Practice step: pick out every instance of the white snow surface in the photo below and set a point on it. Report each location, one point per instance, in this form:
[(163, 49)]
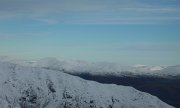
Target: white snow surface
[(34, 87)]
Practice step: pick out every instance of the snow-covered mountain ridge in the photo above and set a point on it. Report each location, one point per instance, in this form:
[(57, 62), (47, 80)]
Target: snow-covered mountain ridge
[(98, 68), (34, 87), (103, 68)]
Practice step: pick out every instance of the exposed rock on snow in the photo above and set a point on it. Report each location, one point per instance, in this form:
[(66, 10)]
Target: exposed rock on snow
[(33, 87)]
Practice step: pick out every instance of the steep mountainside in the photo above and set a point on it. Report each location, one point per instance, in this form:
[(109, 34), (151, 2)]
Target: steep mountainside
[(33, 87), (160, 81)]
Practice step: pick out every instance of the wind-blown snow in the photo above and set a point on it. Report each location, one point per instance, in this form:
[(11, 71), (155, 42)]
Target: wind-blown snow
[(34, 87)]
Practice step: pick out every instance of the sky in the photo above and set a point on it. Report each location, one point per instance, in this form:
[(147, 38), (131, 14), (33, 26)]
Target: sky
[(123, 31)]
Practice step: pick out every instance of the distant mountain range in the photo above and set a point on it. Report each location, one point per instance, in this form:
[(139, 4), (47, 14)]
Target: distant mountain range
[(99, 68)]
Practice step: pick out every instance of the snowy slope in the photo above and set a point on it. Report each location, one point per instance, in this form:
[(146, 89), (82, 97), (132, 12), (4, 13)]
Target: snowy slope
[(33, 87)]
